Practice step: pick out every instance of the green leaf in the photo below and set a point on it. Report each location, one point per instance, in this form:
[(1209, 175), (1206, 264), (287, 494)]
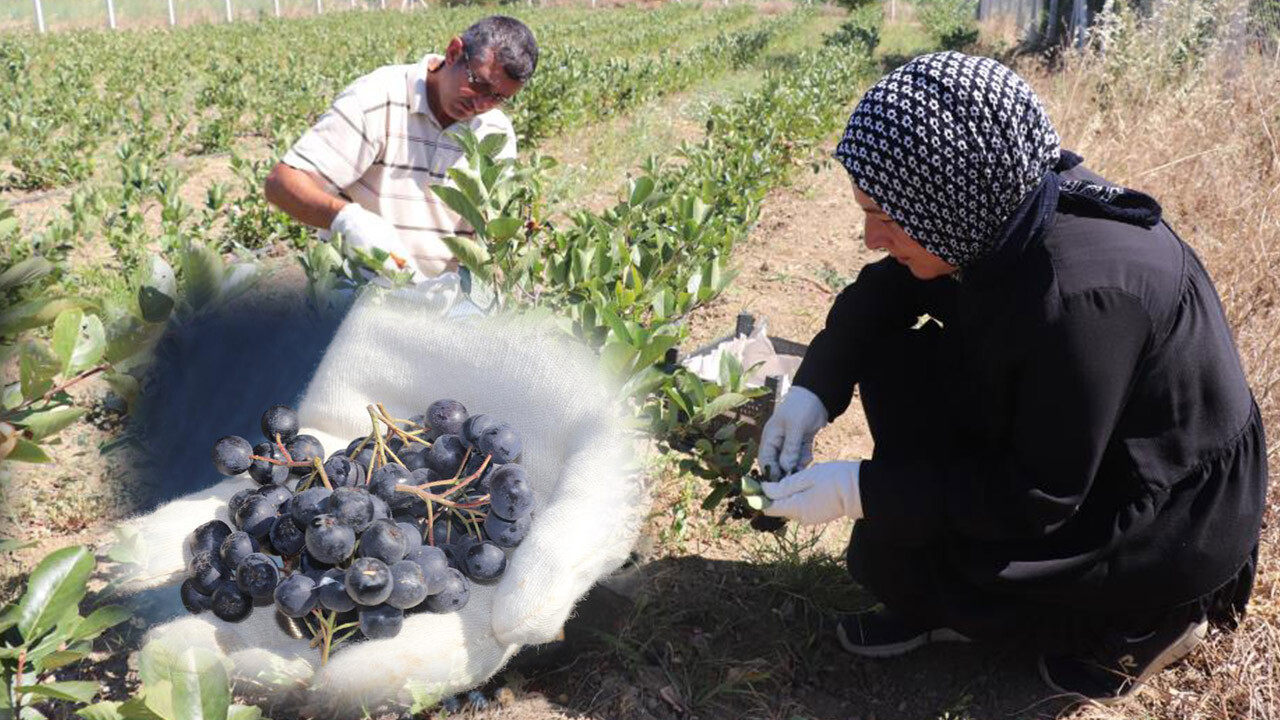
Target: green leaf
[(615, 324), (201, 688), (105, 710), (37, 367), (617, 358), (130, 547), (12, 395), (37, 313), (8, 224), (81, 691), (758, 502), (66, 331), (91, 343), (243, 712), (730, 371), (57, 583), (137, 709), (240, 278), (11, 545), (60, 658), (28, 452), (202, 274), (641, 189), (100, 620), (29, 270), (492, 144), (469, 183), (50, 422), (459, 203), (721, 404), (713, 499), (154, 305), (470, 253), (503, 228)]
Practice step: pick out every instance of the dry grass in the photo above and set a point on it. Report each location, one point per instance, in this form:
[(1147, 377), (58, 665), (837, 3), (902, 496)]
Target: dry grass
[(1205, 141)]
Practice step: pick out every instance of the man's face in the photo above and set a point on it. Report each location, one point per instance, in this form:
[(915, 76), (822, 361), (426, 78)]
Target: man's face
[(471, 85), (882, 233)]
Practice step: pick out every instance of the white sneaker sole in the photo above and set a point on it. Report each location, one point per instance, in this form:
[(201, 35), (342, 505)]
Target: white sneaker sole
[(900, 648), (1177, 650)]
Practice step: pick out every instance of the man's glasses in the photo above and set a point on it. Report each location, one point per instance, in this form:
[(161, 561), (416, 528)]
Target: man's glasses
[(478, 86)]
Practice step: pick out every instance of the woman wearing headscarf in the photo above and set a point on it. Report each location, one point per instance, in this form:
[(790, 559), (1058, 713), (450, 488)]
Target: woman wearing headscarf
[(1066, 448)]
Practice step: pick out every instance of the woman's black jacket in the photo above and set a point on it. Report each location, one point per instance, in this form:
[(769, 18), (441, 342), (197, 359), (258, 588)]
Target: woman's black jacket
[(1108, 447)]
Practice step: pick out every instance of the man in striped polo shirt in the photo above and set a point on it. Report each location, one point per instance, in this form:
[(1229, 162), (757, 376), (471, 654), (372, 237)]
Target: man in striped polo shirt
[(366, 167)]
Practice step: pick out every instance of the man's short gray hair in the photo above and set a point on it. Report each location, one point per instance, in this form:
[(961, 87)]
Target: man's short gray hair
[(512, 43)]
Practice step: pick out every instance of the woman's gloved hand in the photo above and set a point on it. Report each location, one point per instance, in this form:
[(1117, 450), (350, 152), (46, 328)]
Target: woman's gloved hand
[(820, 494), (786, 445)]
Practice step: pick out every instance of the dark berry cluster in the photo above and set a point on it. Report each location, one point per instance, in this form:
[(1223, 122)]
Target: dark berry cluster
[(401, 520)]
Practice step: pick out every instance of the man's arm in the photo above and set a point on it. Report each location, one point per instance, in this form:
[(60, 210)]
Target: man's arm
[(301, 194)]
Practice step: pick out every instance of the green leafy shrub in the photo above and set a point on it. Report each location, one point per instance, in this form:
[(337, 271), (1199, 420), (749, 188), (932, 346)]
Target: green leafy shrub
[(952, 24), (43, 632), (861, 32)]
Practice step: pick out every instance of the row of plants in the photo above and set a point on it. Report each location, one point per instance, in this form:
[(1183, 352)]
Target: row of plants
[(63, 96), (585, 88)]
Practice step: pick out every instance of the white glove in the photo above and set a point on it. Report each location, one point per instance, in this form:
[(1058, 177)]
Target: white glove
[(588, 507), (367, 230), (817, 495), (790, 431)]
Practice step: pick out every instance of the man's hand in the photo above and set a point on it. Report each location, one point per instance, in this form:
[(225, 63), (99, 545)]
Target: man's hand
[(365, 230), (790, 431), (820, 494)]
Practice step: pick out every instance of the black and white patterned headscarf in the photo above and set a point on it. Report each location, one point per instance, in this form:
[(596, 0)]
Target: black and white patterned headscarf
[(948, 145)]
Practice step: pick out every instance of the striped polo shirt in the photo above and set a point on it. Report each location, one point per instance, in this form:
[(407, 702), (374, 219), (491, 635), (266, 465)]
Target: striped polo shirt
[(380, 145)]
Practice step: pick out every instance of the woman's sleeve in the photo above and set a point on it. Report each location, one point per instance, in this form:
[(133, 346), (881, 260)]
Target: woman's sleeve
[(1068, 397), (885, 297)]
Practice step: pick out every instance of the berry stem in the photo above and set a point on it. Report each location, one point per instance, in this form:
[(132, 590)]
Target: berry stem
[(429, 497), (283, 450), (466, 457), (324, 477), (59, 388), (393, 427)]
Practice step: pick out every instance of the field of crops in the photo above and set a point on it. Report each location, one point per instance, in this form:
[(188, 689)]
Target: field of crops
[(674, 169)]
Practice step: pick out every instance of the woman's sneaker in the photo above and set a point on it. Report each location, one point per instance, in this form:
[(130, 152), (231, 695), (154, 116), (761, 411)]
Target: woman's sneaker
[(1122, 664), (880, 633)]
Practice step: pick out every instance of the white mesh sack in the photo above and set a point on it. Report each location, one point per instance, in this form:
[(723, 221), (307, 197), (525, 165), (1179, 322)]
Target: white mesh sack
[(588, 504)]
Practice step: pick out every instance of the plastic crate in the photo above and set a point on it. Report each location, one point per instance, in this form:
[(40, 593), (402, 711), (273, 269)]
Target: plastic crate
[(752, 414)]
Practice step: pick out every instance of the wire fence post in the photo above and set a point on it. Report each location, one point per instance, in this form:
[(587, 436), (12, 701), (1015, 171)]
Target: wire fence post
[(111, 14), (275, 5), (319, 7), (39, 17), (230, 18), (173, 17)]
